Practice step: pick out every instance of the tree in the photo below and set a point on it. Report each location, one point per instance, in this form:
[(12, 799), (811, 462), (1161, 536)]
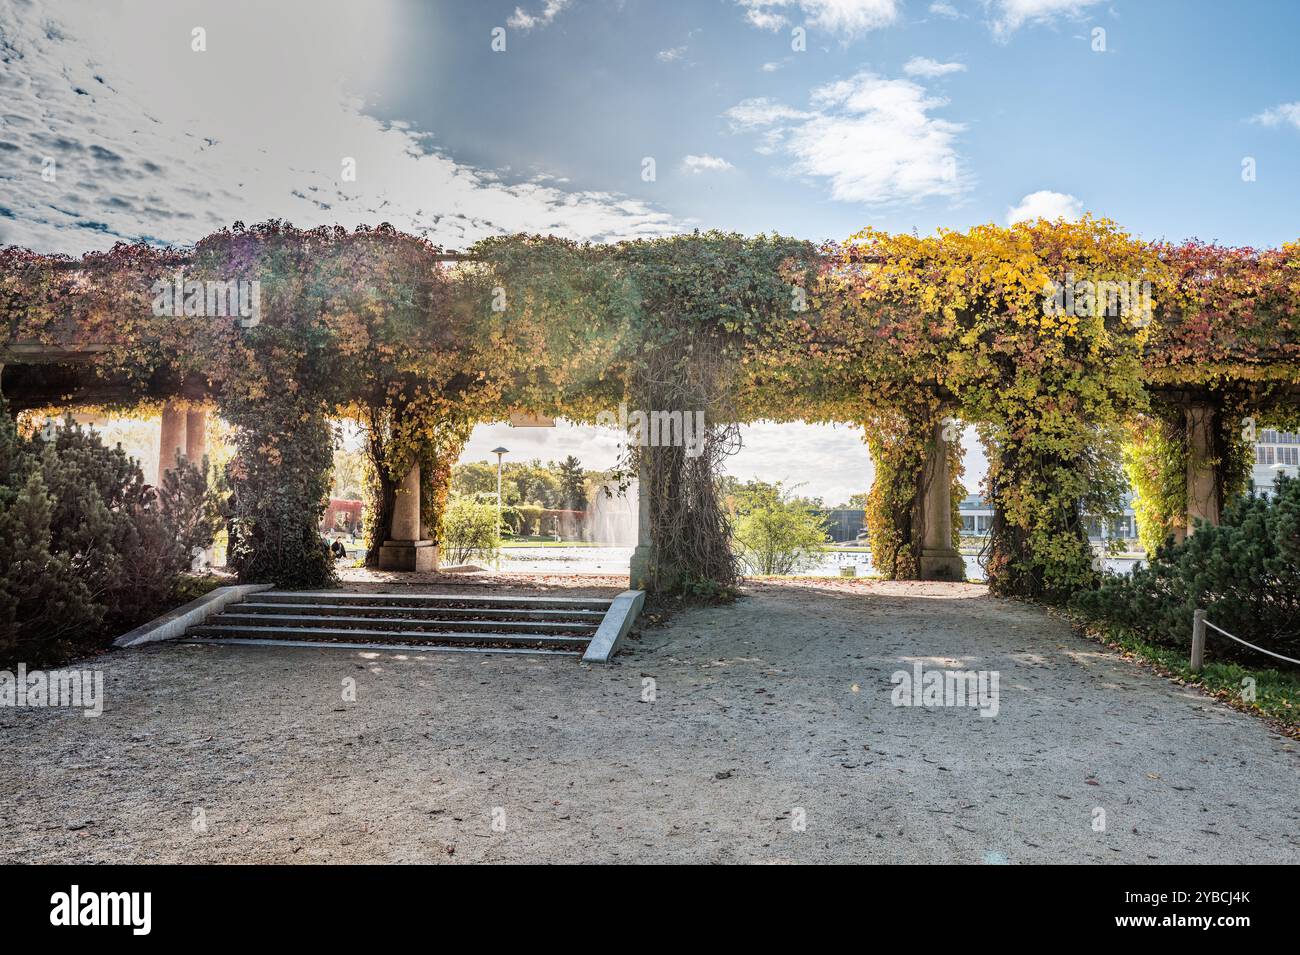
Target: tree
[(349, 477), (533, 481), (573, 484), (474, 477), (774, 531)]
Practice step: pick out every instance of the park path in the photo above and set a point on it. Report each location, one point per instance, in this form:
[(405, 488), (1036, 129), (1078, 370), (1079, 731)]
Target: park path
[(760, 732)]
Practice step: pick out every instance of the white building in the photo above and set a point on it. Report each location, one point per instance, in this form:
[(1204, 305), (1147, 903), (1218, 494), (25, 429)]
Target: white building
[(1276, 452)]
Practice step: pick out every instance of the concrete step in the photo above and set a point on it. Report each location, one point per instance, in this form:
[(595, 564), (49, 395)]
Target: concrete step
[(346, 598), (237, 615), (399, 647), (329, 634), (447, 613)]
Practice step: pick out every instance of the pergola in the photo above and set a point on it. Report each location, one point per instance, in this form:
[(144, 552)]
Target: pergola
[(735, 290)]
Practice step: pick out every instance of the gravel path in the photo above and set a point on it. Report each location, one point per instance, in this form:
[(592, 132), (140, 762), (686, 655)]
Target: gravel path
[(765, 714)]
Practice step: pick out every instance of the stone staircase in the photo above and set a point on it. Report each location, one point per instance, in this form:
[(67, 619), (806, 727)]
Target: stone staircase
[(562, 626)]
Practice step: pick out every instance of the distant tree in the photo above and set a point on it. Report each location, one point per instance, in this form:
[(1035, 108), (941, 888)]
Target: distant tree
[(349, 479), (474, 477), (534, 482), (573, 484)]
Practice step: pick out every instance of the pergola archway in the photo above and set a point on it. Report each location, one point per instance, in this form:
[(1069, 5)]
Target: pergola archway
[(897, 334)]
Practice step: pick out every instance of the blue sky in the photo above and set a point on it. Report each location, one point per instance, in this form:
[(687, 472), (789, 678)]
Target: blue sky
[(901, 114), (1151, 131)]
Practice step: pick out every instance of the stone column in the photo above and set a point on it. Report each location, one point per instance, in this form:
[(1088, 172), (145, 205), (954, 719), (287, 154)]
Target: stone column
[(405, 549), (196, 445), (196, 436), (1202, 477), (939, 559), (171, 440), (641, 569)]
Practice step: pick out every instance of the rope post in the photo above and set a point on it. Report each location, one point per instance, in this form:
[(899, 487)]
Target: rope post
[(1198, 640)]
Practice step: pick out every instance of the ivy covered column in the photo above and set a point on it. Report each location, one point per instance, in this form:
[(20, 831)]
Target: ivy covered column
[(940, 560), (641, 571), (406, 548), (1202, 463)]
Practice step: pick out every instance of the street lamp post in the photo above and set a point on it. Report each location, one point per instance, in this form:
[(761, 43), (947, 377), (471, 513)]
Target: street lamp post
[(499, 452)]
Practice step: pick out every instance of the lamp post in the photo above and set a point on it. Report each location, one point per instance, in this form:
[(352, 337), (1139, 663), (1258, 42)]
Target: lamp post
[(499, 452)]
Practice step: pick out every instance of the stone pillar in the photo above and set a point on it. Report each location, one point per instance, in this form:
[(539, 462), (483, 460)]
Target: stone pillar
[(405, 549), (939, 559), (196, 445), (196, 436), (1202, 477), (641, 569), (171, 440)]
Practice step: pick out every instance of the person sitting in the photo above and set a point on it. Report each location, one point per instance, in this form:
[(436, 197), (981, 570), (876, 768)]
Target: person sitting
[(338, 550)]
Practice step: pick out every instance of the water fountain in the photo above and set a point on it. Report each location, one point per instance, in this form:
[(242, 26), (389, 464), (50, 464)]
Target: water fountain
[(611, 515)]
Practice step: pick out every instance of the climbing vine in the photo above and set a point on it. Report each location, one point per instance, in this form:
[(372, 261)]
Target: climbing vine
[(1063, 342)]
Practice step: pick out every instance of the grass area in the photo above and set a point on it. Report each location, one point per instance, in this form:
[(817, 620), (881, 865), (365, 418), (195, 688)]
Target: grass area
[(1277, 692)]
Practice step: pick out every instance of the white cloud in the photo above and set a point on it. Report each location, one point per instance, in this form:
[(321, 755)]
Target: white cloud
[(1011, 15), (1282, 114), (872, 139), (523, 20), (249, 131), (706, 163), (771, 67), (1045, 204), (759, 112), (846, 18), (944, 10), (670, 55), (927, 68)]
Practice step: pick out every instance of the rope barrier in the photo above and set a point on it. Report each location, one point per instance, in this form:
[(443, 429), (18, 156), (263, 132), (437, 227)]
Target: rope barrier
[(1251, 645)]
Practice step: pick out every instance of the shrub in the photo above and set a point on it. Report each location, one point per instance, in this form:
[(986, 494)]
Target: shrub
[(87, 549), (775, 532), (1244, 572), (470, 530)]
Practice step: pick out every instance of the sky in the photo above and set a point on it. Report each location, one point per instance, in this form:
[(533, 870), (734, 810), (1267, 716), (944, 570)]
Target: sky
[(606, 119)]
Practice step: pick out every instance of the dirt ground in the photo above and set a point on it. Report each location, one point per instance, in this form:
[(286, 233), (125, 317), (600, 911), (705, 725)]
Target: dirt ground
[(767, 735)]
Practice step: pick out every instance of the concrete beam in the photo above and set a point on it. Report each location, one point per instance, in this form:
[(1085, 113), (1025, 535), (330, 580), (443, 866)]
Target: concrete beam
[(173, 624), (618, 620)]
